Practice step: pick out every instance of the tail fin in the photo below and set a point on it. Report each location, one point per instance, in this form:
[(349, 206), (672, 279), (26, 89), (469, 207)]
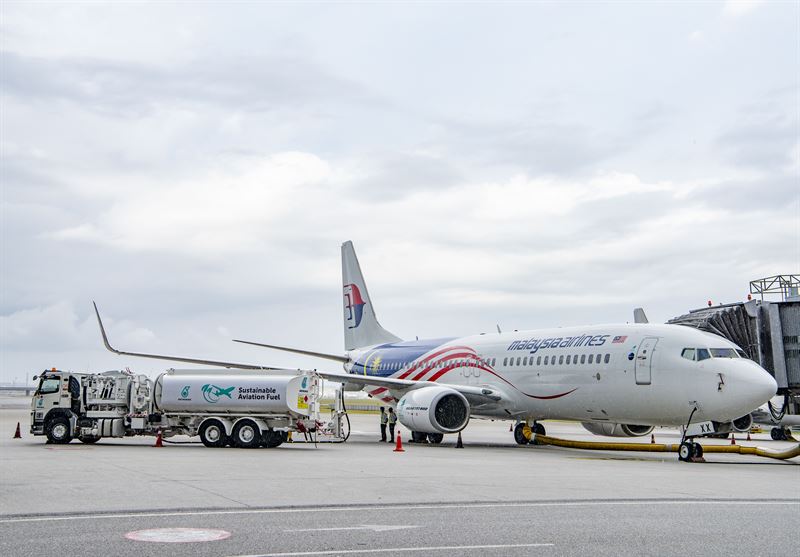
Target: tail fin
[(361, 327)]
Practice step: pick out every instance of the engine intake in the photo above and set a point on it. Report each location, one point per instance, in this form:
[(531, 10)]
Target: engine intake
[(617, 430), (434, 410), (743, 424)]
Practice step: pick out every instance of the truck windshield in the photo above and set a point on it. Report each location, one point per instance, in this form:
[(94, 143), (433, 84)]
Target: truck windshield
[(49, 385), (724, 353)]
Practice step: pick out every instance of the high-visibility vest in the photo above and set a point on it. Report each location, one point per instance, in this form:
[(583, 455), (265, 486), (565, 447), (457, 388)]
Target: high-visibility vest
[(384, 418), (392, 418)]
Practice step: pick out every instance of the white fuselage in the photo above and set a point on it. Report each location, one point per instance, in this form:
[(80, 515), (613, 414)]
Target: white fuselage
[(630, 373)]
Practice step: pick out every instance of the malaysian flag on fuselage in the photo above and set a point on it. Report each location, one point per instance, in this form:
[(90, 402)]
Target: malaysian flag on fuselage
[(619, 340)]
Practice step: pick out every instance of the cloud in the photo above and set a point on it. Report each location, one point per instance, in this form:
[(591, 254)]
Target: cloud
[(740, 8), (134, 89)]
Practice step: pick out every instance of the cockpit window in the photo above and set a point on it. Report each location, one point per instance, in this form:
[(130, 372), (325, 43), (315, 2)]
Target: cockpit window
[(702, 354), (741, 353), (688, 353), (724, 353)]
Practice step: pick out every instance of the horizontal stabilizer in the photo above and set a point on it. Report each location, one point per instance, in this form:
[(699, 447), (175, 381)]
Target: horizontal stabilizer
[(334, 357)]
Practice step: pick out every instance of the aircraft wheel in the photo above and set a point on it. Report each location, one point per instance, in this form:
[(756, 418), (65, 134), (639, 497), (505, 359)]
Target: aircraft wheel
[(698, 450), (419, 437), (246, 434), (212, 434), (686, 451), (776, 433), (519, 436), (435, 438)]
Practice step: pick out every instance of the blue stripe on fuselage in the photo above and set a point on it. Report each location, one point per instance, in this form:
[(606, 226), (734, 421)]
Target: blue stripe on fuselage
[(393, 356)]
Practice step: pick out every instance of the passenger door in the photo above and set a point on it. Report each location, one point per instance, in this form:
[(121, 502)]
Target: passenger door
[(644, 360)]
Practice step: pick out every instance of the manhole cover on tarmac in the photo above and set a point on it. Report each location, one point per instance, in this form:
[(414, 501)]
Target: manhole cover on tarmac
[(178, 535)]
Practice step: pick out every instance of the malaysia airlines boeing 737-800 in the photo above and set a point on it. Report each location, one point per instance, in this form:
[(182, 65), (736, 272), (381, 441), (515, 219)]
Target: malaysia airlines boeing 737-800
[(619, 379)]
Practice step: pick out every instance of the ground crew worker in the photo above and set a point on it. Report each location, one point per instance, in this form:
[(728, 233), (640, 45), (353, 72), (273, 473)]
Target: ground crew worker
[(392, 423), (384, 420)]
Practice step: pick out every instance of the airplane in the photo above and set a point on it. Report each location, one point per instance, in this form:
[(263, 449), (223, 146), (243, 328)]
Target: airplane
[(626, 378)]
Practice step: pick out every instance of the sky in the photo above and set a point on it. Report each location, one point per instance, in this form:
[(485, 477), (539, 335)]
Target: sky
[(194, 167)]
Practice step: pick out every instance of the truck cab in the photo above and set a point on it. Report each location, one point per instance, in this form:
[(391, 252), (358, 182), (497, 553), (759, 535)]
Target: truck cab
[(56, 406)]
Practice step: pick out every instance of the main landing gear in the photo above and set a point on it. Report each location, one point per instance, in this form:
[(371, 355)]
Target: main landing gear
[(522, 432), (780, 434)]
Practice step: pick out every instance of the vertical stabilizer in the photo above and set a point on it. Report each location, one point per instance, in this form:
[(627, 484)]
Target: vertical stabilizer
[(361, 327)]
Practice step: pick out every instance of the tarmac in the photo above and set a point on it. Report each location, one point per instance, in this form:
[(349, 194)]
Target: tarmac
[(493, 497)]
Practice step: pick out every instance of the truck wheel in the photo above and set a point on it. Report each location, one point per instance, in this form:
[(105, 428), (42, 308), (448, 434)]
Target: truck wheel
[(212, 434), (89, 440), (435, 438), (58, 431), (246, 435), (274, 439), (538, 429)]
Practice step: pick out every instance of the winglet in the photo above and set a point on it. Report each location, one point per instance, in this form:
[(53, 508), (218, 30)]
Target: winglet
[(103, 330), (639, 316)]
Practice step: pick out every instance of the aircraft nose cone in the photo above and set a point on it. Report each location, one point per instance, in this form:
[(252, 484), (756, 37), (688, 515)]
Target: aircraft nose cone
[(761, 387)]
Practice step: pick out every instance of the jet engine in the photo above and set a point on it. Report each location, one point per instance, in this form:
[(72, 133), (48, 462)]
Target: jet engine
[(434, 410), (617, 430), (743, 424)]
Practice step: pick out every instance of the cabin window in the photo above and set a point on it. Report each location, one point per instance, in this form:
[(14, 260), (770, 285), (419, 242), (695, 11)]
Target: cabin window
[(599, 359), (525, 361), (591, 357), (538, 360), (546, 360), (702, 354), (569, 358), (608, 358), (688, 353), (518, 360), (505, 361), (583, 358), (560, 360)]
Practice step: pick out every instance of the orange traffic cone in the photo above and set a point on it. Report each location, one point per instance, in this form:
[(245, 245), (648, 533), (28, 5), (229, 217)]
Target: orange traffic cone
[(510, 427), (159, 441), (733, 438), (398, 448), (459, 444), (748, 436), (652, 439), (17, 433)]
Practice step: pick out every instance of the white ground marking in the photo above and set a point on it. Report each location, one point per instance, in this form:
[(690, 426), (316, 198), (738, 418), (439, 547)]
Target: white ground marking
[(106, 516), (178, 535), (398, 549), (373, 527)]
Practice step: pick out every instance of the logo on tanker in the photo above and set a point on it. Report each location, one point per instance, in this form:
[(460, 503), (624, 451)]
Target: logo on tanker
[(185, 393), (212, 393), (353, 305)]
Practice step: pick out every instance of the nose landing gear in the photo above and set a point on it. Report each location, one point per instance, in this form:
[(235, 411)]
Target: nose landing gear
[(690, 451)]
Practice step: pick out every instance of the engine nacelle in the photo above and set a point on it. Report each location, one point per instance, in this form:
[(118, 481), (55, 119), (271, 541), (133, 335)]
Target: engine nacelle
[(617, 430), (743, 424), (434, 410)]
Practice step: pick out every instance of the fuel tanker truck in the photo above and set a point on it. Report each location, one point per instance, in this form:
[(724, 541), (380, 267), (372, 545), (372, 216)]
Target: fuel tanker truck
[(244, 410)]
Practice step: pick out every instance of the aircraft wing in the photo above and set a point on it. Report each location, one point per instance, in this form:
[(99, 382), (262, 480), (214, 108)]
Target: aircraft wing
[(406, 384), (231, 365)]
